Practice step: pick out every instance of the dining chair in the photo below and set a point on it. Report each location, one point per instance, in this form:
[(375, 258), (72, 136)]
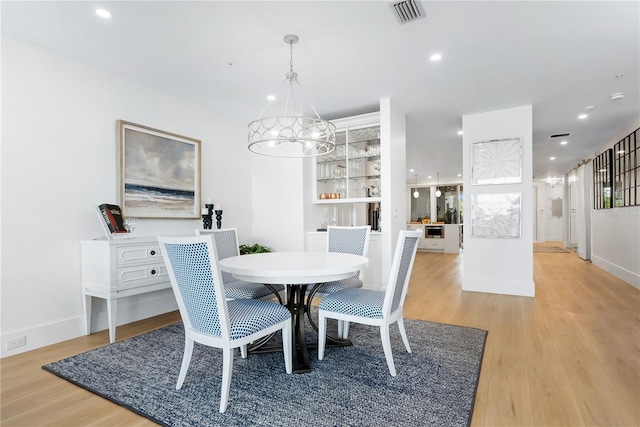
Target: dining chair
[(208, 317), (369, 307), (226, 241), (351, 240)]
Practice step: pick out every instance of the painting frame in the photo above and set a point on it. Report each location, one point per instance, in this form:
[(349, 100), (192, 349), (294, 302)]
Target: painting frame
[(496, 215), (496, 161), (159, 173)]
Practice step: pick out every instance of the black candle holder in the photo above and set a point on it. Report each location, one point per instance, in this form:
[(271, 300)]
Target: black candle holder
[(218, 219), (207, 220)]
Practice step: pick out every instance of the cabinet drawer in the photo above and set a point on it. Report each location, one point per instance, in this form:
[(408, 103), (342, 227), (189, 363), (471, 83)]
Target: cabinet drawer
[(141, 275), (434, 243), (136, 254)]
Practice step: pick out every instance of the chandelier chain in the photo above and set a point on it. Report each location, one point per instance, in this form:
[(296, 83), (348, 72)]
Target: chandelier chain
[(291, 56)]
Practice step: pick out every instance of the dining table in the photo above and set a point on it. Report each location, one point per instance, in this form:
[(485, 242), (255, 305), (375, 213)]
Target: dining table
[(296, 270)]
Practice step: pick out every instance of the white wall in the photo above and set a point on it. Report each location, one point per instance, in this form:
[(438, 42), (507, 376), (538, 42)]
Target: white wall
[(59, 160), (278, 203), (615, 233), (493, 265)]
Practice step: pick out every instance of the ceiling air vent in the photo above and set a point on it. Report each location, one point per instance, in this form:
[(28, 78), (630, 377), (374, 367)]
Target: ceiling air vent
[(559, 135), (407, 11)]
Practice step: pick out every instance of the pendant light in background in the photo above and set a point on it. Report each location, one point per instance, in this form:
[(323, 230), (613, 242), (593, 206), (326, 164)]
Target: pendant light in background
[(415, 193), (438, 192)]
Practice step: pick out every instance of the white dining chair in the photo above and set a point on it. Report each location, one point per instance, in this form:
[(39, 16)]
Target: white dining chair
[(369, 307), (208, 317), (226, 241), (351, 240)]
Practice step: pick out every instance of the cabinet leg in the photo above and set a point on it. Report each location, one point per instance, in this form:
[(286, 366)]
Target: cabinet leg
[(86, 305), (112, 308)]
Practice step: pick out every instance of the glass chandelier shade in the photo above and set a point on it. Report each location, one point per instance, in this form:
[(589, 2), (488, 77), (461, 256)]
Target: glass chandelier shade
[(438, 192), (292, 134), (416, 194)]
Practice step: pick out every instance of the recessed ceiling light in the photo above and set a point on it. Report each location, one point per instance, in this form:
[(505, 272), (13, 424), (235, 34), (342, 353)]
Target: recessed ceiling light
[(429, 177), (589, 108), (616, 96), (411, 170), (103, 13), (583, 116), (552, 158), (564, 142), (271, 97), (459, 174), (460, 132), (435, 57)]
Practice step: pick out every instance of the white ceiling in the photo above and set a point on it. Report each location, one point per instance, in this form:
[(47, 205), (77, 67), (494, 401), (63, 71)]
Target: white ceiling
[(559, 57)]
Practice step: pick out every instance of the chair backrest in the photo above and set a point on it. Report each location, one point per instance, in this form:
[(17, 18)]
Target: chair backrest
[(193, 270), (401, 268), (350, 240), (226, 241)]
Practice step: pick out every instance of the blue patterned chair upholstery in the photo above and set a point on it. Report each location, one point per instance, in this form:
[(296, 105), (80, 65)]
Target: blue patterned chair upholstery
[(378, 308), (208, 317), (350, 240), (226, 241)]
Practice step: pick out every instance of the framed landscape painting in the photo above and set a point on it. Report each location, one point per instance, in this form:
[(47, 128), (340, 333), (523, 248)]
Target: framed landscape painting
[(158, 173)]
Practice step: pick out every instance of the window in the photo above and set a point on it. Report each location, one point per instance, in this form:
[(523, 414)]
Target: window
[(626, 154), (421, 207), (602, 179)]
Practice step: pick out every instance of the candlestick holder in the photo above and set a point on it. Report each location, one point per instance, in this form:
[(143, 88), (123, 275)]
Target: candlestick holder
[(219, 219), (207, 222), (207, 219)]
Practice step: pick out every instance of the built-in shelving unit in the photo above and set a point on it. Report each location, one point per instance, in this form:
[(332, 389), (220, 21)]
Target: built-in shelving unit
[(352, 172)]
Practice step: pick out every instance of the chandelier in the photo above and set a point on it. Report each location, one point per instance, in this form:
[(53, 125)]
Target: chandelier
[(438, 192), (416, 194), (293, 134)]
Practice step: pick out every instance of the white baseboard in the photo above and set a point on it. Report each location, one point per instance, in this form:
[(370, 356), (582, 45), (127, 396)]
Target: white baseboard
[(621, 273), (129, 310), (497, 286), (43, 335)]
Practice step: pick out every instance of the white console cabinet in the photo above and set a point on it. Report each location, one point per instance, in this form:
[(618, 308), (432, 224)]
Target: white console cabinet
[(317, 242), (113, 269)]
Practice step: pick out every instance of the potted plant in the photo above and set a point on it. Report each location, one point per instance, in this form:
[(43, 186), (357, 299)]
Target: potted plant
[(253, 249)]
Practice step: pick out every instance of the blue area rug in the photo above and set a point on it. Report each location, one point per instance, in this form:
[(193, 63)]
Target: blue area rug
[(435, 385)]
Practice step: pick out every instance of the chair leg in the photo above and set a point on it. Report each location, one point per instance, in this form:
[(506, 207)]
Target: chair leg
[(227, 368), (403, 334), (322, 335), (243, 351), (186, 360), (340, 328), (345, 329), (286, 348), (386, 346)]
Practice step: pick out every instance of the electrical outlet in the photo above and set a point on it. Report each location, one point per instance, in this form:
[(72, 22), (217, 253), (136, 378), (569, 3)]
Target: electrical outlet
[(16, 342)]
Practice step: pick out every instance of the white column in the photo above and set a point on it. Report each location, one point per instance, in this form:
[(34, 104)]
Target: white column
[(499, 265)]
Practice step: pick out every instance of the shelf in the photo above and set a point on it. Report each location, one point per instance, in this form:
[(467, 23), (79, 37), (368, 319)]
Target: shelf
[(349, 200), (353, 167), (361, 177)]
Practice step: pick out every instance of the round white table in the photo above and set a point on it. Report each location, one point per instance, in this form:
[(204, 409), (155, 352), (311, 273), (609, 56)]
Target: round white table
[(295, 270)]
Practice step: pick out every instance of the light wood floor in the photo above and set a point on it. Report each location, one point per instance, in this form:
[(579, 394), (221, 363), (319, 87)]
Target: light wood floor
[(569, 357)]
